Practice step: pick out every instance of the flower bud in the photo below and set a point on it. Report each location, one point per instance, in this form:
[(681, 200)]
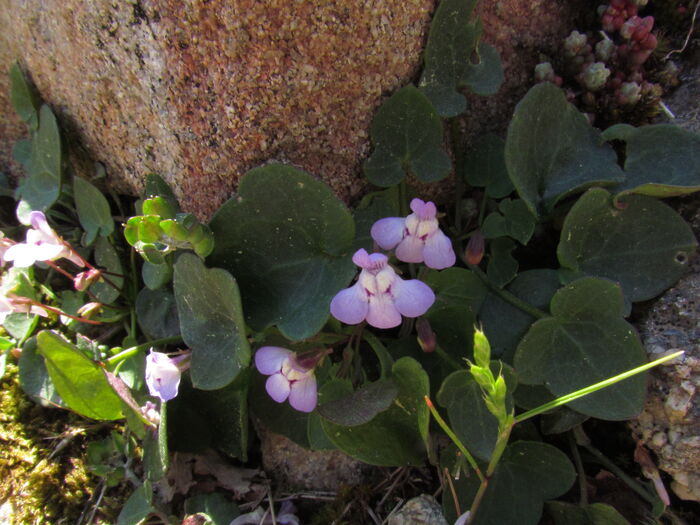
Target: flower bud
[(89, 309), (575, 43), (595, 76), (426, 337), (544, 72), (482, 376), (83, 280), (475, 248), (482, 349), (630, 93)]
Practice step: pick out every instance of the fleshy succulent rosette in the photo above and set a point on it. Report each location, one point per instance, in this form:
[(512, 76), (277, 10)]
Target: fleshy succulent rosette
[(416, 238), (379, 296)]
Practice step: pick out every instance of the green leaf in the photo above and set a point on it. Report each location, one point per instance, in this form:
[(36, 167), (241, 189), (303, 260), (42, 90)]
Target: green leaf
[(156, 312), (595, 514), (502, 267), (155, 186), (22, 152), (516, 222), (155, 448), (79, 381), (586, 341), (137, 507), (23, 99), (528, 473), (93, 210), (20, 326), (485, 76), (485, 166), (106, 257), (407, 135), (286, 238), (458, 297), (374, 206), (451, 42), (661, 160), (552, 151), (219, 509), (43, 185), (34, 377), (211, 321), (469, 418), (361, 405), (156, 276), (19, 282), (643, 244), (395, 436)]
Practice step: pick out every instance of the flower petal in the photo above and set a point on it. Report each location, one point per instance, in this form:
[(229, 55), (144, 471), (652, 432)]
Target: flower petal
[(438, 252), (269, 359), (277, 387), (162, 376), (303, 395), (412, 298), (410, 250), (382, 313), (350, 305), (388, 232), (463, 518)]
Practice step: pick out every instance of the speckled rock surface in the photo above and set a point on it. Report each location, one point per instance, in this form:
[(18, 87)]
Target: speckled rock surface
[(201, 91), (296, 468), (422, 510)]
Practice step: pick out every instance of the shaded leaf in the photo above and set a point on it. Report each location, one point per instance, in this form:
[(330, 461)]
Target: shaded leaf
[(156, 312), (407, 136), (586, 341), (156, 276), (79, 381), (23, 98), (137, 507), (643, 245), (395, 436), (374, 206), (286, 238), (34, 377), (661, 160), (93, 210), (502, 267), (211, 321), (106, 257), (595, 514), (485, 76), (552, 151), (155, 448), (361, 405), (219, 509), (485, 166)]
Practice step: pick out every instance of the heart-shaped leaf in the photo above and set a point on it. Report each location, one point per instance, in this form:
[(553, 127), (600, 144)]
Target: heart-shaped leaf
[(79, 381), (407, 136), (642, 244), (106, 257), (485, 76), (528, 473), (156, 312), (584, 342), (516, 221), (286, 238), (93, 210), (552, 151), (211, 321), (395, 436), (485, 166), (595, 514), (451, 42), (661, 160)]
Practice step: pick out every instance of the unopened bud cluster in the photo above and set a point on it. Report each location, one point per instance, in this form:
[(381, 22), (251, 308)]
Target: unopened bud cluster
[(493, 387)]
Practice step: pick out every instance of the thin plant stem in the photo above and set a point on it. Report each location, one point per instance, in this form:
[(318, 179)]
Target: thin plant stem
[(59, 312), (454, 438), (125, 354), (568, 398), (583, 488), (60, 270), (506, 295)]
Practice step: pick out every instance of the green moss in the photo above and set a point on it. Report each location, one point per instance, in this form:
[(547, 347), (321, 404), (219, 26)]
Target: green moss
[(40, 488)]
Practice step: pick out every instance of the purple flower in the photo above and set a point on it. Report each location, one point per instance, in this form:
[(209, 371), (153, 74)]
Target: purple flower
[(380, 296), (290, 376), (42, 244), (163, 374), (417, 238)]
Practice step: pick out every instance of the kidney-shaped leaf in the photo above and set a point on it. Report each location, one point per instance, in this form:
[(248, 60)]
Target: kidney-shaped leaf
[(661, 160), (211, 322), (552, 151), (585, 342), (644, 244), (286, 238), (407, 137), (395, 436), (79, 380), (360, 406), (93, 210)]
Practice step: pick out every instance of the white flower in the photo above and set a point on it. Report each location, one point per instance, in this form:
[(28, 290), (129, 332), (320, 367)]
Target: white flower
[(42, 244)]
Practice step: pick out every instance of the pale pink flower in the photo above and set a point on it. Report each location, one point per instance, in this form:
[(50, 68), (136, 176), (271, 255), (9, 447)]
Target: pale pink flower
[(380, 296), (42, 244), (417, 237), (163, 374), (18, 305), (290, 377)]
